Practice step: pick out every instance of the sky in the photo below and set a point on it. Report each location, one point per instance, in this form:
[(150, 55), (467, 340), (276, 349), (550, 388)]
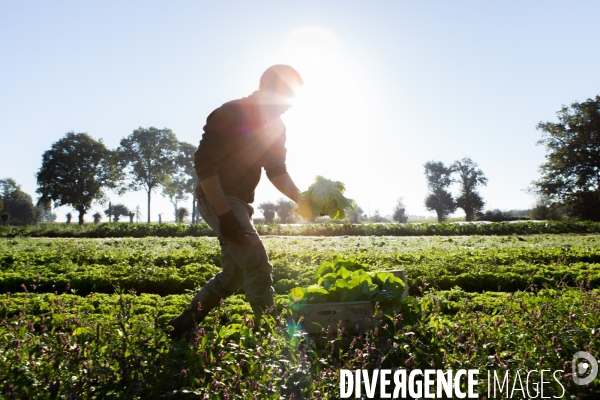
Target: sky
[(389, 85)]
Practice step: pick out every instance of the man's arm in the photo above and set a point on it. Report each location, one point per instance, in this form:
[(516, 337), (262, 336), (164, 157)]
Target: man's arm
[(210, 151), (213, 190), (228, 223), (286, 186)]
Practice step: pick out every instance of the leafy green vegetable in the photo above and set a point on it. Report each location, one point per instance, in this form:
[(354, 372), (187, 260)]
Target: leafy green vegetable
[(344, 280), (316, 294), (297, 293), (324, 197)]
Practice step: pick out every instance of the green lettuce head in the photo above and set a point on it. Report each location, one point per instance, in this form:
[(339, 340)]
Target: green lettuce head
[(324, 197)]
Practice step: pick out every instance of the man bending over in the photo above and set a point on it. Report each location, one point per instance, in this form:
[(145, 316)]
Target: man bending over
[(240, 139)]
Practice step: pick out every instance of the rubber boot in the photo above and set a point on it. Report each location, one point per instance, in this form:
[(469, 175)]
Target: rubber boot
[(189, 319)]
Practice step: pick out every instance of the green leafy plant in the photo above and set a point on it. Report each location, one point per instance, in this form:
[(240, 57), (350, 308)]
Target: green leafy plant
[(324, 197), (346, 280)]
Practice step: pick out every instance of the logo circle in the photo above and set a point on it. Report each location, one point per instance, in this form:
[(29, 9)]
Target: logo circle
[(583, 367)]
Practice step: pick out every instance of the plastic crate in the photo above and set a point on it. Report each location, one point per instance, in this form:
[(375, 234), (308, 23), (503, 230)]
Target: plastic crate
[(399, 273), (355, 316)]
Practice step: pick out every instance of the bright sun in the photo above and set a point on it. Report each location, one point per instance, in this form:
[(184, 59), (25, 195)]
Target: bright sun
[(330, 111)]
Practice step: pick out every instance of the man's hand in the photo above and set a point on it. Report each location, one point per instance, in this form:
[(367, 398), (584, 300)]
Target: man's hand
[(231, 228), (304, 209)]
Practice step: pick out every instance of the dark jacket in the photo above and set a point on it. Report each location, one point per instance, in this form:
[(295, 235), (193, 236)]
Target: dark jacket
[(239, 141)]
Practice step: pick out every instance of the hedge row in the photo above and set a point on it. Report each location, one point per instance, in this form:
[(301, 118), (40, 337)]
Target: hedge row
[(107, 230)]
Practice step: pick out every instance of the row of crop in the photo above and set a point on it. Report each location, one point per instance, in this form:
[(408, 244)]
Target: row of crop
[(374, 250), (172, 266), (106, 230), (148, 252), (386, 252), (116, 346), (182, 230), (85, 279), (435, 229), (473, 275)]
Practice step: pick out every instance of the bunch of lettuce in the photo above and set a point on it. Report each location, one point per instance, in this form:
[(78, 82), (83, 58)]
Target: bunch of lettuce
[(345, 280), (324, 197)]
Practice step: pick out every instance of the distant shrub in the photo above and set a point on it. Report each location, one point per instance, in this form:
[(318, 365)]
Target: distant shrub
[(499, 216)]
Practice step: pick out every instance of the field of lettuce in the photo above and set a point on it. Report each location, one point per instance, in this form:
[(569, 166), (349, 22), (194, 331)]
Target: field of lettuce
[(86, 318)]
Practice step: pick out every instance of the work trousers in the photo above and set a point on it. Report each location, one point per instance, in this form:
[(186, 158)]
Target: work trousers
[(244, 263)]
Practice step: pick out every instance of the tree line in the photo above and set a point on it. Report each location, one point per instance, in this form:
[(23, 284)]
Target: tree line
[(78, 169), (284, 209), (439, 199), (569, 184)]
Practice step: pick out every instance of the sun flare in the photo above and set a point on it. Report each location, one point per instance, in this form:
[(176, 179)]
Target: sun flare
[(329, 110)]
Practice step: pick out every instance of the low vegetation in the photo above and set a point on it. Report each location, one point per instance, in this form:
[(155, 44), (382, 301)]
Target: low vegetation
[(87, 318)]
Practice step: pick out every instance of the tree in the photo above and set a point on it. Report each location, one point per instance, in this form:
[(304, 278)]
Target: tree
[(46, 214), (545, 209), (269, 216), (469, 178), (400, 212), (183, 181), (75, 171), (284, 209), (187, 173), (148, 158), (117, 211), (182, 213), (97, 217), (69, 216), (17, 204), (354, 215), (268, 210), (439, 177), (377, 216), (131, 215), (571, 172), (174, 190), (138, 213)]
